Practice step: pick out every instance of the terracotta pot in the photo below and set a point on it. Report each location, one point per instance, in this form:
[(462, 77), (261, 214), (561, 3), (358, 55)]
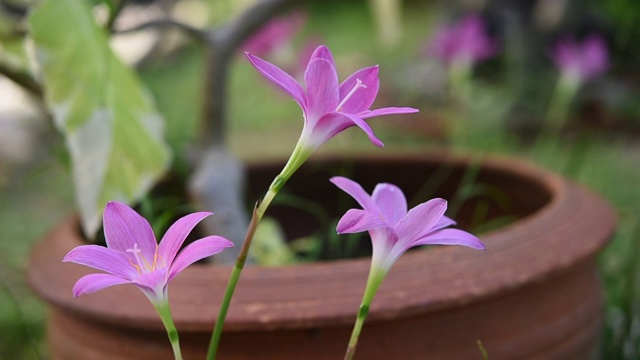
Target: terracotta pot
[(534, 294)]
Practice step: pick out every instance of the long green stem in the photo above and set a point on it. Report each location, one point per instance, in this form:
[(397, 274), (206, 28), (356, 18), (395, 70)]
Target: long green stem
[(557, 114), (165, 315), (373, 283), (548, 144), (231, 286), (560, 104), (459, 93), (297, 158)]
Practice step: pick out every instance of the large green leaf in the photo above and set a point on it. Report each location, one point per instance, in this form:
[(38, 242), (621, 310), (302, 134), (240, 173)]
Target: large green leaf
[(113, 131)]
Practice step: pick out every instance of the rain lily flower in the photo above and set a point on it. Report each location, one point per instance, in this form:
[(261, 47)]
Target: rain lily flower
[(459, 47), (580, 62), (328, 107), (393, 231), (463, 44), (133, 256)]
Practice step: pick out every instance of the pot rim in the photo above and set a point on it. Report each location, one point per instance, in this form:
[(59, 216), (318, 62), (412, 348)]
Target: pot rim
[(570, 229)]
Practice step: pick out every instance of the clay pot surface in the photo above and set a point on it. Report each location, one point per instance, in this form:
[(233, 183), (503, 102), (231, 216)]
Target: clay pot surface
[(534, 294)]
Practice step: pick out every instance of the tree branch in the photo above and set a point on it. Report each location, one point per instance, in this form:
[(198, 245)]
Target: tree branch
[(222, 44), (231, 36), (24, 80), (219, 178), (113, 15), (198, 34)]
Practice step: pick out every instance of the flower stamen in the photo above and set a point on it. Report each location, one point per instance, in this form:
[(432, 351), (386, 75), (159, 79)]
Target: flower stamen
[(142, 265), (358, 85)]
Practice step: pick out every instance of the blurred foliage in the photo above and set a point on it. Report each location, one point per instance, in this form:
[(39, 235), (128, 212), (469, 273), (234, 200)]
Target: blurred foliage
[(113, 132), (623, 18)]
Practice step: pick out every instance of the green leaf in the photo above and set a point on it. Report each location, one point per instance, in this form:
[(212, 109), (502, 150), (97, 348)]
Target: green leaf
[(270, 246), (112, 129)]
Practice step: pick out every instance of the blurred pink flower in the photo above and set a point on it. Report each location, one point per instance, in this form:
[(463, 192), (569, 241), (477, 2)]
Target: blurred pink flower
[(275, 34), (304, 56), (581, 62), (463, 44)]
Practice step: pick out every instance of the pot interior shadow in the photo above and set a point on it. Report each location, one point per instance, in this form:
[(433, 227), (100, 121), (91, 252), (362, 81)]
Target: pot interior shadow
[(480, 198)]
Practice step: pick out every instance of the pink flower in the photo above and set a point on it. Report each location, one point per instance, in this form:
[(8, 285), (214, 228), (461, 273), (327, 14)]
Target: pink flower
[(329, 107), (133, 256), (581, 62), (275, 34), (463, 44), (392, 228)]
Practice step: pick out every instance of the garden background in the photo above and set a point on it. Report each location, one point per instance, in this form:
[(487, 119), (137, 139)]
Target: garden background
[(504, 104)]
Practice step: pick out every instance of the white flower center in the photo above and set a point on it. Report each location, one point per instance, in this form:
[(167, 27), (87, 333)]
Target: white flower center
[(358, 85)]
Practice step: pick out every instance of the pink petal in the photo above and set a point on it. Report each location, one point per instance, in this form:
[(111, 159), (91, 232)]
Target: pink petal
[(383, 240), (328, 126), (153, 284), (94, 282), (441, 45), (357, 192), (358, 121), (275, 33), (177, 233), (124, 227), (564, 54), (356, 220), (304, 56), (334, 123), (323, 52), (325, 128), (451, 237), (321, 79), (363, 98), (465, 42), (474, 44), (391, 202), (102, 258), (197, 250), (280, 79), (595, 56), (386, 249), (386, 111), (444, 222), (422, 217)]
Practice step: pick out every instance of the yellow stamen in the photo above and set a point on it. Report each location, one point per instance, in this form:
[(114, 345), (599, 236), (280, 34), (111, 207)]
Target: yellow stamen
[(141, 264)]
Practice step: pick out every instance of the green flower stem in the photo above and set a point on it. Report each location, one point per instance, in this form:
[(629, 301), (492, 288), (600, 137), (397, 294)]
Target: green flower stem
[(548, 143), (559, 107), (459, 96), (300, 154), (376, 276), (459, 82), (165, 315)]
